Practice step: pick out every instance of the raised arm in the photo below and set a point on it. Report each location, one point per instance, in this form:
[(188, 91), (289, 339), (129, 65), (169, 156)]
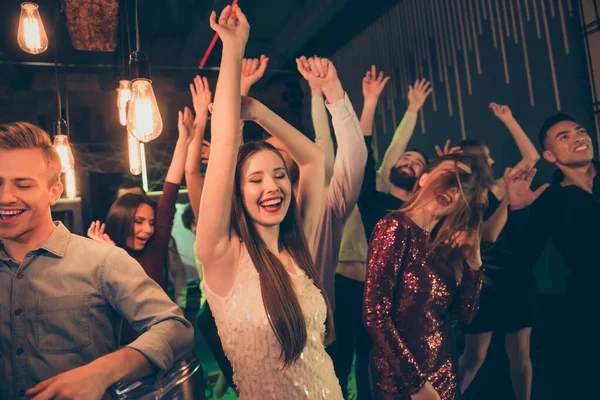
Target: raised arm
[(372, 86), (201, 97), (383, 269), (186, 135), (304, 152), (215, 205), (527, 149), (417, 95), (320, 122)]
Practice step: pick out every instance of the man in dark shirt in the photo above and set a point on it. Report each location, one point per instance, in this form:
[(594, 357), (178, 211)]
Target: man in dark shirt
[(569, 214), (373, 204)]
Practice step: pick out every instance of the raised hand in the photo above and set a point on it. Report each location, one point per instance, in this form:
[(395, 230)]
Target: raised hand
[(469, 243), (320, 72), (252, 70), (501, 112), (373, 84), (417, 94), (96, 232), (518, 188), (185, 125), (201, 95), (447, 149), (232, 26)]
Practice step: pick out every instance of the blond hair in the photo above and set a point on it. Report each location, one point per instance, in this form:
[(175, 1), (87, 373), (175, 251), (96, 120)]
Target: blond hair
[(23, 135)]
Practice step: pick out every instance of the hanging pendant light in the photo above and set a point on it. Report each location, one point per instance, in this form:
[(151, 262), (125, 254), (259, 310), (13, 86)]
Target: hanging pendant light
[(63, 147), (123, 98), (144, 121), (31, 36), (61, 130)]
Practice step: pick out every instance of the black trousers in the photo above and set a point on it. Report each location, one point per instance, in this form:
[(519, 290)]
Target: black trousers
[(351, 336)]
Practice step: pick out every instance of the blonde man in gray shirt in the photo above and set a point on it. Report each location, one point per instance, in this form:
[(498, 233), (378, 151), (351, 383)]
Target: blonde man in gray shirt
[(63, 297)]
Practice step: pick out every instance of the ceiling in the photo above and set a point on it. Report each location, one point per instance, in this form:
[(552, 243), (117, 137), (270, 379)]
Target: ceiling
[(176, 33)]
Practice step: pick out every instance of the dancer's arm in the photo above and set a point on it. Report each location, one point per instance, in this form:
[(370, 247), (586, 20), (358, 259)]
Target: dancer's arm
[(201, 97), (387, 249), (417, 95), (215, 206), (372, 86), (304, 152), (320, 122)]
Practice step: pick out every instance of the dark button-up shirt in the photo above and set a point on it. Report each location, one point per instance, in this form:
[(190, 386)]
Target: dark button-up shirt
[(62, 308)]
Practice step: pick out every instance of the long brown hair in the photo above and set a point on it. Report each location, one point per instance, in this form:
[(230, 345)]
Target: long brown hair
[(121, 216), (470, 208), (279, 298)]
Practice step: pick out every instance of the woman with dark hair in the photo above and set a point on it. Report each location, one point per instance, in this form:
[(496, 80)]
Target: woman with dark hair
[(255, 245), (136, 224), (507, 299), (424, 262)]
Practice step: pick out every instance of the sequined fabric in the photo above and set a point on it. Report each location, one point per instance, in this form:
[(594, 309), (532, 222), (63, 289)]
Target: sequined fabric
[(253, 349), (407, 297)]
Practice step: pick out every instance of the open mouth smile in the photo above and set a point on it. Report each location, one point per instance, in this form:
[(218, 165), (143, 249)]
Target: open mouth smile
[(272, 204), (9, 215)]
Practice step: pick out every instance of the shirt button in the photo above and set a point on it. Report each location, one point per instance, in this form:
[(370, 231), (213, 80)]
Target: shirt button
[(22, 392), (18, 311), (19, 351), (19, 276)]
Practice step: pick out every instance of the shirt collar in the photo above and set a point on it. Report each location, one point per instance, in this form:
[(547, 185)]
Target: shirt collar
[(558, 176), (56, 243)]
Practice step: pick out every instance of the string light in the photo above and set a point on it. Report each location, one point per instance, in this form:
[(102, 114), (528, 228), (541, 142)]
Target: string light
[(31, 36)]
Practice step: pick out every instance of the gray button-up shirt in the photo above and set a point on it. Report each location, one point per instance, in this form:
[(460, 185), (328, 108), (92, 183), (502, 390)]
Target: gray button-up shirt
[(63, 306)]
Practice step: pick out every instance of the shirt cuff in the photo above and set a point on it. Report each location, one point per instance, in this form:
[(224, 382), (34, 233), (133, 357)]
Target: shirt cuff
[(341, 109), (154, 349)]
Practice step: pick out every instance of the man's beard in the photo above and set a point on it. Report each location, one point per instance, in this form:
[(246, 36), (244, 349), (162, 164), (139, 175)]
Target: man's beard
[(401, 179)]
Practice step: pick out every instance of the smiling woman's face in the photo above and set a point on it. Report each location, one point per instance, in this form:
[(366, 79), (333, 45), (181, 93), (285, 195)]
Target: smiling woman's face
[(266, 188), (143, 227)]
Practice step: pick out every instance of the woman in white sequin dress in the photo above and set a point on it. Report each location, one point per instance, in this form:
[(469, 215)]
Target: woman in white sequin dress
[(258, 274)]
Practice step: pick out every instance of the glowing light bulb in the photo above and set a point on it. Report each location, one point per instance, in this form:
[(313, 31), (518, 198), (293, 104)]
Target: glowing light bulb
[(143, 117), (135, 156), (32, 36), (123, 98), (63, 148), (70, 186)]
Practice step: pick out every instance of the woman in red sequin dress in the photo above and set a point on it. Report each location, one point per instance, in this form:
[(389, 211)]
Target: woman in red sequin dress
[(424, 262)]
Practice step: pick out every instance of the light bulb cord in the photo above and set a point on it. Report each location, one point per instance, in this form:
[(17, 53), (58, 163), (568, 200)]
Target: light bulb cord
[(58, 98), (137, 28)]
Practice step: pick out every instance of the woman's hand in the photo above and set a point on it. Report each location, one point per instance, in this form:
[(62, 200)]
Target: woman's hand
[(252, 70), (320, 72), (185, 125), (232, 27), (469, 243), (96, 232), (373, 84), (447, 149), (427, 392), (201, 95)]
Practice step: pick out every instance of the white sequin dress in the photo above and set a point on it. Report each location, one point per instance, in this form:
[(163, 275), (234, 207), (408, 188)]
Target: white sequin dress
[(253, 349)]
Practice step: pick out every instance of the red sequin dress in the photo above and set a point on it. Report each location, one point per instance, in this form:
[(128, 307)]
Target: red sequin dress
[(407, 296)]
